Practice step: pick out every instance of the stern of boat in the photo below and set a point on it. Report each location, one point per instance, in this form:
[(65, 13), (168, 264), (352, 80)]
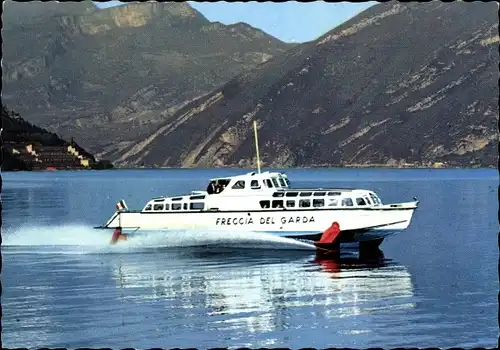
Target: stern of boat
[(119, 219), (113, 222)]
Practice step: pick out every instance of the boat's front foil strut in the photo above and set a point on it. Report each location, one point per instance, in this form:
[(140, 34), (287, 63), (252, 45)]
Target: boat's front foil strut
[(118, 236)]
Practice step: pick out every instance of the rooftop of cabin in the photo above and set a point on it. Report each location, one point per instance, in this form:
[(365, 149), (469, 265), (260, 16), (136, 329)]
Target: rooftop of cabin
[(252, 175)]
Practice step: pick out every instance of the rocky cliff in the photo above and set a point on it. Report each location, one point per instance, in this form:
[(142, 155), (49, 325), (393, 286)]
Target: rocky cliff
[(110, 76), (401, 83)]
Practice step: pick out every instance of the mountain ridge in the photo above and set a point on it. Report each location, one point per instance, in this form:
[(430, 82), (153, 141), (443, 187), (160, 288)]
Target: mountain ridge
[(106, 84), (388, 116)]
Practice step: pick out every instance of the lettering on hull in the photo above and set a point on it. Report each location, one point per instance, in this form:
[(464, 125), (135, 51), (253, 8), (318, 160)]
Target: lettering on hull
[(234, 221), (269, 220)]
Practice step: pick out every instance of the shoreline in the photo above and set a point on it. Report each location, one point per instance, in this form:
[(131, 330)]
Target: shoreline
[(367, 167)]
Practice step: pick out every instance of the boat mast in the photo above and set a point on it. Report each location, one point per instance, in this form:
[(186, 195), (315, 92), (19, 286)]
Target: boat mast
[(256, 144)]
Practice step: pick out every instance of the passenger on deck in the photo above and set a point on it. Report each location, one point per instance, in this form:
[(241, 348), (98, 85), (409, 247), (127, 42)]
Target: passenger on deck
[(211, 188)]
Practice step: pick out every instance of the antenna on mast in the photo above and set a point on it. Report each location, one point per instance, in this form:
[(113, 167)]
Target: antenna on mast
[(256, 144)]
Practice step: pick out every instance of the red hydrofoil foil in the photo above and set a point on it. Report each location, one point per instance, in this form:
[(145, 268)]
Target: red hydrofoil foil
[(329, 240), (118, 236)]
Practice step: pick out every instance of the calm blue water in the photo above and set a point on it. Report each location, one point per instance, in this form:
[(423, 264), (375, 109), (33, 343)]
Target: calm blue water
[(63, 286)]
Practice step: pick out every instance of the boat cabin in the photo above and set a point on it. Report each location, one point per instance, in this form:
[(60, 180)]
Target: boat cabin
[(249, 182), (262, 191)]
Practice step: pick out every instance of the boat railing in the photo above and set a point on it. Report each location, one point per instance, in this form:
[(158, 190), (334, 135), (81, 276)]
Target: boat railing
[(317, 189)]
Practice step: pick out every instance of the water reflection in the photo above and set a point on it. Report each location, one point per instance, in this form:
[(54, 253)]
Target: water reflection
[(28, 320), (262, 292)]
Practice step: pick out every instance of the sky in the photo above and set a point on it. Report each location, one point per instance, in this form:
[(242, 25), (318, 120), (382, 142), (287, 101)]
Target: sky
[(289, 21)]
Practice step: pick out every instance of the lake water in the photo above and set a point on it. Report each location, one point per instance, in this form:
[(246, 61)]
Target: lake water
[(436, 284)]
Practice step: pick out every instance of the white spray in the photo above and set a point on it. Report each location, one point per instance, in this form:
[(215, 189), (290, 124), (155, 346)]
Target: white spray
[(92, 239)]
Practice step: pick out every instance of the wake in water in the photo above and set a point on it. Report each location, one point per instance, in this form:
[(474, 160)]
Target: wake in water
[(90, 240), (70, 235)]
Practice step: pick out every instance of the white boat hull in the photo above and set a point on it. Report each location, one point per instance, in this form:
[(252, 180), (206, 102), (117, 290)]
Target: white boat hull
[(356, 225)]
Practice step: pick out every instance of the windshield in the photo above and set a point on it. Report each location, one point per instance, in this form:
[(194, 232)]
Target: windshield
[(282, 182), (275, 182)]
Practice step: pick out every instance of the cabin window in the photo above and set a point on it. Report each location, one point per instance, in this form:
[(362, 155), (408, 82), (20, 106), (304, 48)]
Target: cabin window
[(318, 203), (290, 203), (177, 199), (148, 207), (158, 207), (347, 202), (292, 194), (304, 203), (333, 203), (239, 185), (265, 204), (185, 206), (176, 206), (278, 204), (278, 194), (159, 200), (254, 185), (375, 199), (282, 182), (196, 206), (360, 201), (334, 193), (167, 206), (269, 183), (319, 194), (368, 201), (305, 194), (275, 182)]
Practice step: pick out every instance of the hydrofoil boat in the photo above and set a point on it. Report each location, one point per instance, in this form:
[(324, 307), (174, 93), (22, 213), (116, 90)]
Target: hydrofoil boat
[(266, 202)]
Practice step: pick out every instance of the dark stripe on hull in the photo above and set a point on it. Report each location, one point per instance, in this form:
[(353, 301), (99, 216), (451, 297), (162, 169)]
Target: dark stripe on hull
[(308, 237), (344, 236)]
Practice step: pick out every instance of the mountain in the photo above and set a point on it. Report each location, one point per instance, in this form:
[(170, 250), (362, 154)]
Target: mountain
[(22, 13), (401, 83), (109, 76)]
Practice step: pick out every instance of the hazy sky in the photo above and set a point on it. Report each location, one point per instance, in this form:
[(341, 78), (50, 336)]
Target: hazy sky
[(288, 21)]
